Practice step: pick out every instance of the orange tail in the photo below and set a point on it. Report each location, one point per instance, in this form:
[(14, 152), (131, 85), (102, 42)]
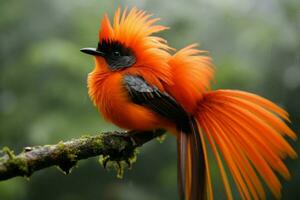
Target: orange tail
[(248, 132)]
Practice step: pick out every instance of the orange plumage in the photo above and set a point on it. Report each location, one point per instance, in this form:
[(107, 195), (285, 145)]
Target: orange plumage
[(246, 130)]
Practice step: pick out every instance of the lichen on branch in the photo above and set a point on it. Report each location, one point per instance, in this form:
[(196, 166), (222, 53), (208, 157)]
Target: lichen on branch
[(119, 147)]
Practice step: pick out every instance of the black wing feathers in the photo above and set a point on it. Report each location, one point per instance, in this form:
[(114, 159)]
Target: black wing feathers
[(160, 102)]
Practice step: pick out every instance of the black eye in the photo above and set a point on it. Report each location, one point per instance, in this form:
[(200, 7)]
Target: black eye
[(116, 53)]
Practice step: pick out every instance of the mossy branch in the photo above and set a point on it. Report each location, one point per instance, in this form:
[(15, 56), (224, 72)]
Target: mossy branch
[(116, 146)]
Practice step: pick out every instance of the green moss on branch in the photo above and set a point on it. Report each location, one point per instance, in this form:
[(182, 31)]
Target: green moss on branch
[(119, 147)]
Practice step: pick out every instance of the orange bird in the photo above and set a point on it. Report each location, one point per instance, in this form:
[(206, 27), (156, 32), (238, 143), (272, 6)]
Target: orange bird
[(137, 84)]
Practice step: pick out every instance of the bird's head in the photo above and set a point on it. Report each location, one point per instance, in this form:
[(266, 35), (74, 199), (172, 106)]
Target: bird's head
[(128, 42)]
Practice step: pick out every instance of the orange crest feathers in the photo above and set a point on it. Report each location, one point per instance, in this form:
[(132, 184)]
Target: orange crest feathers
[(133, 28)]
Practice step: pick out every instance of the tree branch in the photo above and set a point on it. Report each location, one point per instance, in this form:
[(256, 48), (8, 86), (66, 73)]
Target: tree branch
[(116, 146)]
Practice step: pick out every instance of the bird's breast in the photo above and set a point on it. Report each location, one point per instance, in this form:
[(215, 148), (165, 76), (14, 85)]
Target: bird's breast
[(111, 97)]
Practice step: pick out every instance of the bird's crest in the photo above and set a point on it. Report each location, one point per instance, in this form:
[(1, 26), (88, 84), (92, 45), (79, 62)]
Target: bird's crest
[(133, 28)]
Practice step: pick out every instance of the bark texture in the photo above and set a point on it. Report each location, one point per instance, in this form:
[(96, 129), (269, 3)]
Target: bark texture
[(114, 146)]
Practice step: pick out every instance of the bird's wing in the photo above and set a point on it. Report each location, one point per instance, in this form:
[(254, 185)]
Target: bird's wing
[(158, 101), (191, 166)]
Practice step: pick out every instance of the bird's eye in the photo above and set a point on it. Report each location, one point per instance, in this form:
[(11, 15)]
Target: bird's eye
[(117, 53)]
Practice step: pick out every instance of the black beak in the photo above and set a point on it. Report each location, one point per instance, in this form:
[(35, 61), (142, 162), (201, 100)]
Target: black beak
[(92, 51)]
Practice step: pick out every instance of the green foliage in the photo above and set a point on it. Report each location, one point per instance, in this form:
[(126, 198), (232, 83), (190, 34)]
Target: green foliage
[(43, 96)]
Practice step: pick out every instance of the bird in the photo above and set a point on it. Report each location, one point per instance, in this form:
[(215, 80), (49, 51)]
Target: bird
[(139, 82)]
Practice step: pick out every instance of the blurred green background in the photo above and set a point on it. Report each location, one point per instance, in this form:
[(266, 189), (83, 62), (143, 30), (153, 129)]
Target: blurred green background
[(43, 96)]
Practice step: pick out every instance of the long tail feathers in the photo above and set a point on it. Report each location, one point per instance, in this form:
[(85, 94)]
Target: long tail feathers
[(248, 132), (191, 164)]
